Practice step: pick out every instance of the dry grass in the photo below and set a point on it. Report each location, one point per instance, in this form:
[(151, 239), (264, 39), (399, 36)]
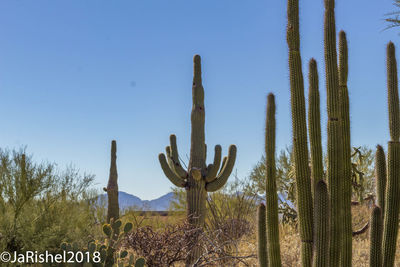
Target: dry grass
[(290, 241)]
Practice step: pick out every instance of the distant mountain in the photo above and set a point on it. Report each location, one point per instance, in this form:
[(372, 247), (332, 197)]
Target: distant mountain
[(130, 201)]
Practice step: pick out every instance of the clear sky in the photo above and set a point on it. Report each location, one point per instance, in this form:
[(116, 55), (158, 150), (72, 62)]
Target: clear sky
[(76, 74)]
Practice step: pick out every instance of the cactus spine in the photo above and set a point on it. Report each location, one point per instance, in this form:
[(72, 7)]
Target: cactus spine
[(112, 186), (314, 125), (274, 257), (300, 148), (391, 213), (380, 177), (321, 225), (262, 236), (345, 115), (375, 255), (199, 178)]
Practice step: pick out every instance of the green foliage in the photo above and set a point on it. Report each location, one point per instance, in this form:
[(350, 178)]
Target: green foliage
[(36, 201), (362, 173)]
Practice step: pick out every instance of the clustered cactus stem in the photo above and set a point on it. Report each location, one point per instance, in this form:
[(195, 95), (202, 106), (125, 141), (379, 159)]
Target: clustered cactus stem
[(346, 248), (391, 213), (262, 236), (299, 129), (335, 148), (199, 178), (375, 239), (314, 125), (380, 177), (321, 222), (271, 199)]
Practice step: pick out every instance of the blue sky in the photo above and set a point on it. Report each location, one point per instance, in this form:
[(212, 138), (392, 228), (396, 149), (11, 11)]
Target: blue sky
[(76, 74)]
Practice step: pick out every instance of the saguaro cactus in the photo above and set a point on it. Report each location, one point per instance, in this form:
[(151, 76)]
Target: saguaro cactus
[(299, 129), (199, 178), (274, 256), (321, 225), (391, 213), (314, 125), (375, 255), (346, 248), (380, 177), (262, 236), (112, 186)]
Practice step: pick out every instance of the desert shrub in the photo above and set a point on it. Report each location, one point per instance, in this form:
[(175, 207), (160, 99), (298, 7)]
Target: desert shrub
[(42, 206), (163, 247)]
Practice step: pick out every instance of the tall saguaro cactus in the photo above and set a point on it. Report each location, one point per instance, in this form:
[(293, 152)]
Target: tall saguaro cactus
[(299, 129), (391, 213), (274, 257), (199, 178), (112, 186), (346, 248)]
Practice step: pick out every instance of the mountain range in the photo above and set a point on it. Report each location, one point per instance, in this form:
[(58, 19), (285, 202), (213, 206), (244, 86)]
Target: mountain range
[(127, 201)]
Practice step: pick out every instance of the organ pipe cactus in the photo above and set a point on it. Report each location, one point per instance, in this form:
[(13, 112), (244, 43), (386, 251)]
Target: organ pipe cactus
[(335, 148), (375, 255), (299, 129), (271, 198), (391, 214), (380, 177), (314, 125), (262, 236), (321, 225), (199, 178), (346, 248), (112, 186)]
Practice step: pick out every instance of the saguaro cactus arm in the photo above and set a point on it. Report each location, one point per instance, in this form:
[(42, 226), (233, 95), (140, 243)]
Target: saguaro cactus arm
[(171, 175), (212, 169), (175, 158), (223, 176)]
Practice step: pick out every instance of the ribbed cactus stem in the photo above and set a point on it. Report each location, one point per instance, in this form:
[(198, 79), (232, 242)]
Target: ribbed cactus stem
[(321, 225), (299, 129), (393, 93), (112, 186), (391, 214), (262, 236), (380, 177), (199, 178), (314, 125), (346, 253), (335, 154), (375, 239), (271, 199)]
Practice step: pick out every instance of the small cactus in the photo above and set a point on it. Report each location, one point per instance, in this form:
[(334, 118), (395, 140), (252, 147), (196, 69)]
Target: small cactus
[(321, 225), (375, 255), (262, 236), (380, 177)]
